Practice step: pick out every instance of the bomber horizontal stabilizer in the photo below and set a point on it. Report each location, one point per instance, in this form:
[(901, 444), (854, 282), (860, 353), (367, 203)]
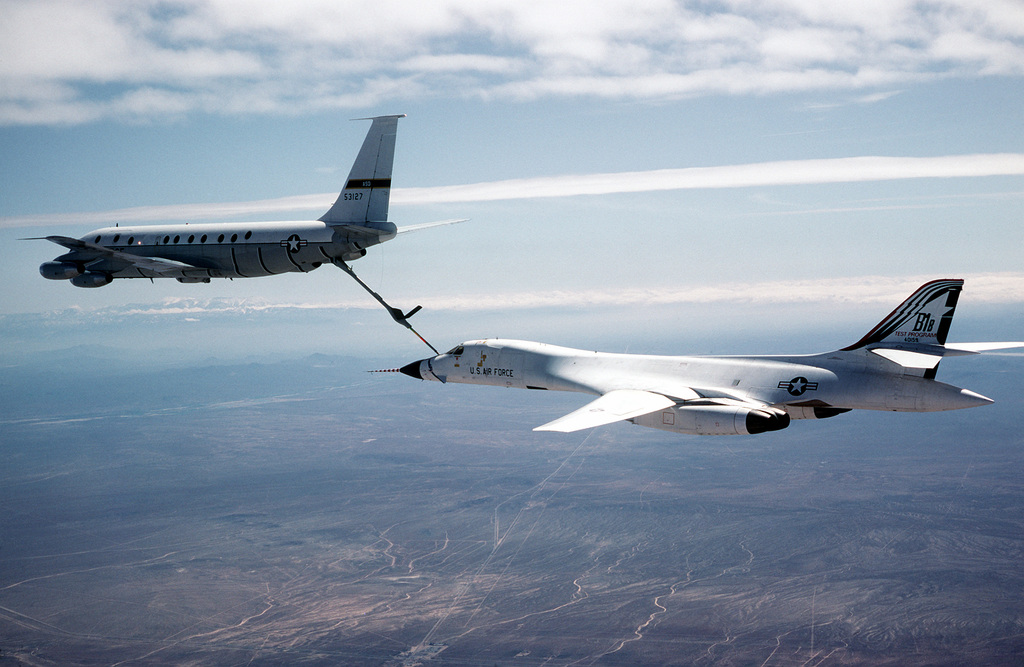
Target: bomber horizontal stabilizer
[(908, 359), (929, 356), (977, 348)]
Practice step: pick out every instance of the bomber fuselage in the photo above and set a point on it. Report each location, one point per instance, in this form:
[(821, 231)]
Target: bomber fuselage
[(837, 380)]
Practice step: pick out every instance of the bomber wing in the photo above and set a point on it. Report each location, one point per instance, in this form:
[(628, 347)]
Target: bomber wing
[(614, 406), (624, 404), (91, 253)]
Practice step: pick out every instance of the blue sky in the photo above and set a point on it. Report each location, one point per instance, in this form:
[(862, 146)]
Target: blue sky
[(668, 164)]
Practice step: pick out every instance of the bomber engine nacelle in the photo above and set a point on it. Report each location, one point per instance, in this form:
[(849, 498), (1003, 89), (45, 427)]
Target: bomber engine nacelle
[(715, 420), (813, 412), (59, 270), (92, 279)]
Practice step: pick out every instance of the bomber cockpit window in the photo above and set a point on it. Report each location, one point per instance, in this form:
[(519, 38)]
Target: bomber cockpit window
[(456, 351)]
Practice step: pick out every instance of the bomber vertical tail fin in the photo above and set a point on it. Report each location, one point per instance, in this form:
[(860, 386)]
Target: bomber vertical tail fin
[(367, 191), (923, 319), (914, 335)]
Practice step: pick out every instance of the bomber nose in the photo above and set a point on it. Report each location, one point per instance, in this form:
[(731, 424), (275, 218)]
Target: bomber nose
[(413, 369)]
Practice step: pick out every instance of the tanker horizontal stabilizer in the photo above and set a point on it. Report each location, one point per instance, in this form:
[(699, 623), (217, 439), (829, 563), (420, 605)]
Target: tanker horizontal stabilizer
[(430, 225)]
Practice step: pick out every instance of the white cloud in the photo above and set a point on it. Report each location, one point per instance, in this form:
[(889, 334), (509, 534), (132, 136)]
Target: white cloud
[(263, 56), (177, 212), (993, 56), (877, 97), (460, 62), (838, 170), (989, 288), (993, 288), (791, 172)]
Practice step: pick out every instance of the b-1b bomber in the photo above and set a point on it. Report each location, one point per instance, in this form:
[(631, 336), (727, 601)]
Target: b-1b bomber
[(893, 367)]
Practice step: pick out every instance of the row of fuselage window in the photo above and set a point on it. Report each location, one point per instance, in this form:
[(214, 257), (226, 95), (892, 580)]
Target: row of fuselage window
[(176, 239)]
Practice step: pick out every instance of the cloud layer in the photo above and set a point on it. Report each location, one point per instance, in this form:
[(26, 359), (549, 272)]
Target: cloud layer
[(789, 172), (73, 61), (1005, 288)]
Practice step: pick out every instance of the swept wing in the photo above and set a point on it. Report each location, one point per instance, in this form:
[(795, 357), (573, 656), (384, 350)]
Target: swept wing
[(614, 406), (89, 254), (639, 406)]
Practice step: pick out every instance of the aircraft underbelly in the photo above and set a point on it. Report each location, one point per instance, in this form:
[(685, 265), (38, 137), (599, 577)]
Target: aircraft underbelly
[(901, 396), (267, 259), (239, 260)]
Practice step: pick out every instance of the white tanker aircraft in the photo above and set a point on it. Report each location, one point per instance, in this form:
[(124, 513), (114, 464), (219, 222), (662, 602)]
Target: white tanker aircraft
[(196, 253), (891, 368)]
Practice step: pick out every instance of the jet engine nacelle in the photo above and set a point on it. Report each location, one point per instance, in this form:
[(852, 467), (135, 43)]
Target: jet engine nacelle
[(715, 420), (92, 280), (352, 256), (59, 270), (813, 412)]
